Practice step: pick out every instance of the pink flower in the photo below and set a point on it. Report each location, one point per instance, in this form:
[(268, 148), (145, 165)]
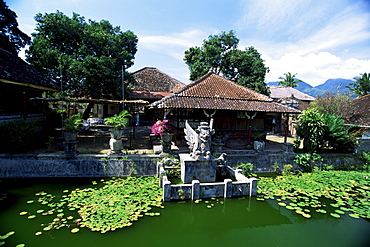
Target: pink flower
[(161, 126)]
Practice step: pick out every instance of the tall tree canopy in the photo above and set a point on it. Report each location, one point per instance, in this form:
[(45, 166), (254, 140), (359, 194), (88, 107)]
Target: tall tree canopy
[(12, 38), (361, 86), (289, 80), (86, 56), (220, 55)]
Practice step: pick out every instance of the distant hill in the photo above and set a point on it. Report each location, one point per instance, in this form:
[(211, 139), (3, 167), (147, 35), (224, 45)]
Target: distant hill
[(331, 85)]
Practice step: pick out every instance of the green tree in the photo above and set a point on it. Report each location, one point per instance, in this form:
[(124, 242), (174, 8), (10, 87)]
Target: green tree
[(323, 130), (12, 38), (361, 86), (289, 80), (310, 126), (86, 58), (335, 104), (220, 55)]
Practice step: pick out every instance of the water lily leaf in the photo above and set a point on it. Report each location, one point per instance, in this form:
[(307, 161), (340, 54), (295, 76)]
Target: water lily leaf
[(31, 217), (339, 211), (23, 213), (48, 228), (30, 201), (321, 211), (10, 233), (74, 230), (289, 207), (356, 216), (335, 215), (38, 233), (20, 245), (40, 211), (282, 204), (4, 237)]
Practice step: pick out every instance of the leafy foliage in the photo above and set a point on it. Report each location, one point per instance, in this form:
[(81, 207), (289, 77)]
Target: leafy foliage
[(220, 55), (361, 86), (73, 123), (119, 121), (16, 136), (308, 160), (308, 193), (289, 80), (12, 38), (86, 56), (310, 127), (324, 130), (247, 169)]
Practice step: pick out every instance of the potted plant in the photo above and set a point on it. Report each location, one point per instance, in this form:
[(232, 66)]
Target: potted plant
[(71, 127), (258, 144), (163, 129), (118, 122)]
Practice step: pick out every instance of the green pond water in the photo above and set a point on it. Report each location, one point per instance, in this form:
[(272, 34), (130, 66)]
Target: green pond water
[(231, 222)]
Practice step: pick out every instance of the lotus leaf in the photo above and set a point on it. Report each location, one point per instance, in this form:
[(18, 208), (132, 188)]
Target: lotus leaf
[(335, 215)]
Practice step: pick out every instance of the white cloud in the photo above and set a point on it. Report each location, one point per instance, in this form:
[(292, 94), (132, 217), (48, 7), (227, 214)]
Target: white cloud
[(315, 68)]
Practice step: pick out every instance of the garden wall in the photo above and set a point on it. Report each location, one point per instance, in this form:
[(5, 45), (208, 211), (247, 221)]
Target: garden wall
[(18, 166)]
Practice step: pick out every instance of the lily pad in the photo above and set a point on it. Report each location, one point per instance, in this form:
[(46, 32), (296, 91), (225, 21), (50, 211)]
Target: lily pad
[(40, 211), (335, 215), (356, 216), (30, 201), (23, 213), (38, 233), (282, 204), (31, 217), (74, 230), (20, 245)]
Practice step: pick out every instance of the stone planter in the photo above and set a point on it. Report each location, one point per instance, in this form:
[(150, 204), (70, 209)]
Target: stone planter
[(166, 142), (259, 146), (115, 142), (70, 136), (167, 137)]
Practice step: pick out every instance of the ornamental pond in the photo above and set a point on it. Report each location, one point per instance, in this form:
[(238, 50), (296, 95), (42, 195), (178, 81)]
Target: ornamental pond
[(215, 222)]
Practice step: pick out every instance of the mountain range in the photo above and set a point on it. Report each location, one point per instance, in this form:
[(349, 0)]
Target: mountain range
[(330, 86)]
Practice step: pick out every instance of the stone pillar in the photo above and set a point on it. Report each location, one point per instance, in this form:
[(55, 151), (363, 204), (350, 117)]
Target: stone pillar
[(195, 190), (228, 192), (166, 191), (288, 148), (70, 149), (253, 187), (166, 147)]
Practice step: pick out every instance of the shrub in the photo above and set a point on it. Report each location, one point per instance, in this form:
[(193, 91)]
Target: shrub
[(308, 161), (247, 169), (16, 136)]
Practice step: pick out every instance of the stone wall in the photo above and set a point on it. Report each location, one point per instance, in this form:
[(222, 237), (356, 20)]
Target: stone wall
[(18, 166)]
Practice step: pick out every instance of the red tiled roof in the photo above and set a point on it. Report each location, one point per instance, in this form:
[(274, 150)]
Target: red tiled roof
[(361, 109), (213, 91)]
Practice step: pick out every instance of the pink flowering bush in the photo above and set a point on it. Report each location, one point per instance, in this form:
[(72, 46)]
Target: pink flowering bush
[(161, 126)]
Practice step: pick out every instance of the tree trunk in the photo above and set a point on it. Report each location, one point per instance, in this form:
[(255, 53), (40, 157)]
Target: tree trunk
[(87, 111)]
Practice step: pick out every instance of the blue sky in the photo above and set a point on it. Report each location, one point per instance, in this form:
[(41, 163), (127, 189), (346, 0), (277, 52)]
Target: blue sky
[(317, 39)]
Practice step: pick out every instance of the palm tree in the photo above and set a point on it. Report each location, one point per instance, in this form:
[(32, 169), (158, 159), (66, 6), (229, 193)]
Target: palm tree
[(289, 80), (361, 86)]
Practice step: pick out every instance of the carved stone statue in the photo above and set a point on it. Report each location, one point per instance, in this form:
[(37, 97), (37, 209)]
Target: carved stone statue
[(199, 140)]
